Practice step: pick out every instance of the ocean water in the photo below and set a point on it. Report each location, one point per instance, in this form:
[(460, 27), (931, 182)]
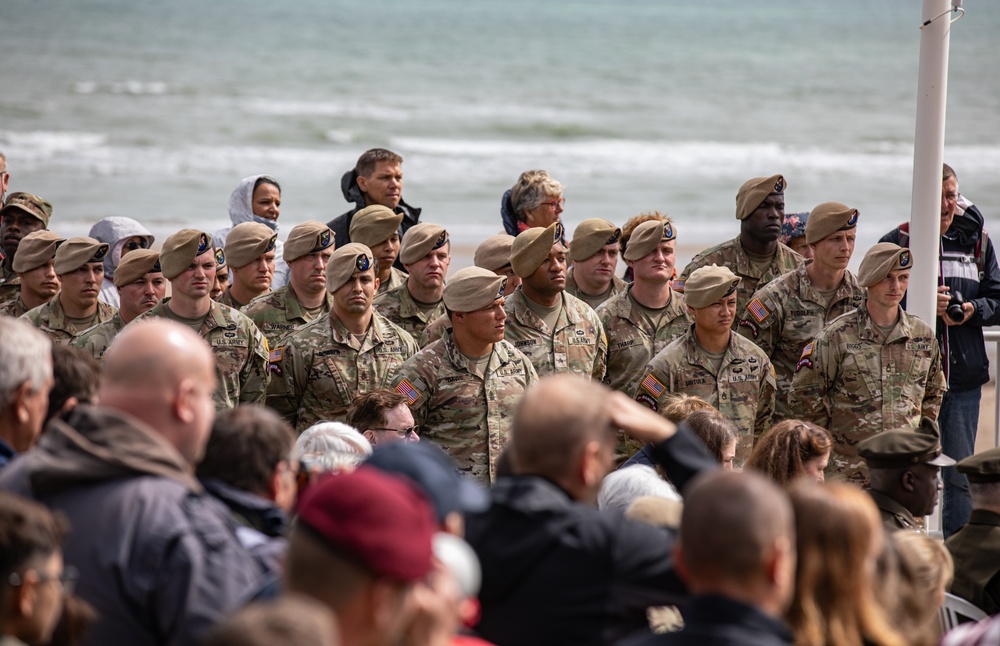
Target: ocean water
[(156, 110)]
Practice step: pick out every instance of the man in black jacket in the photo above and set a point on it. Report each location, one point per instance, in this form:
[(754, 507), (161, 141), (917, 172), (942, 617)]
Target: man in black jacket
[(737, 554), (968, 265), (377, 178), (555, 569)]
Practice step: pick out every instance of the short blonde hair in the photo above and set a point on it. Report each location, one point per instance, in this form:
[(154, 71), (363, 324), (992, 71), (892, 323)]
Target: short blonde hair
[(926, 569), (332, 446)]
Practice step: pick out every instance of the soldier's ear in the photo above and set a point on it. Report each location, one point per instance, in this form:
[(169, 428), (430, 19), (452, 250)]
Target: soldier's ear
[(906, 481)]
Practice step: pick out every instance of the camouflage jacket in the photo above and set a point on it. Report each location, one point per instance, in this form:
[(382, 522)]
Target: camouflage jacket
[(96, 340), (787, 314), (399, 308), (279, 312), (14, 307), (632, 343), (467, 415), (617, 287), (51, 319), (435, 329), (240, 354), (852, 384), (743, 390), (732, 255), (226, 298), (396, 278), (578, 343), (318, 369), (10, 284)]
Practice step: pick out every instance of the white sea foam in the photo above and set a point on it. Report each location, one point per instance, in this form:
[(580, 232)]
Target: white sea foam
[(132, 87)]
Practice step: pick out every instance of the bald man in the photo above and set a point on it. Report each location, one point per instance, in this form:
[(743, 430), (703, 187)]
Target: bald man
[(555, 569), (157, 556), (743, 578)]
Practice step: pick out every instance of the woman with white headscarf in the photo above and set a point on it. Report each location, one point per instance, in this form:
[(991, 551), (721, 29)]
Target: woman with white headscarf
[(257, 199)]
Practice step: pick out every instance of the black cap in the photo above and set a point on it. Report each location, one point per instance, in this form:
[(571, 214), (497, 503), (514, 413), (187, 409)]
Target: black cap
[(895, 449), (434, 472), (982, 467)]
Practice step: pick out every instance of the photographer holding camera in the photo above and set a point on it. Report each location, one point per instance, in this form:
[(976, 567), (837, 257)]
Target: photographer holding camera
[(968, 300)]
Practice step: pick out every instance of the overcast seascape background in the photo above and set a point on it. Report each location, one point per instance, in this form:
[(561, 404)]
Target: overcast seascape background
[(155, 110)]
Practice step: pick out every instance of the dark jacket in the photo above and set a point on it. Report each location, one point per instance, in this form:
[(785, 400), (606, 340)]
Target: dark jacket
[(975, 549), (158, 558), (968, 363), (261, 525), (556, 571), (712, 620), (341, 225)]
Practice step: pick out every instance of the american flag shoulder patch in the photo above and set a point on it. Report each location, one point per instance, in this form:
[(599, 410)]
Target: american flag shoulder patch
[(406, 389), (653, 385), (275, 356), (759, 310), (808, 350)]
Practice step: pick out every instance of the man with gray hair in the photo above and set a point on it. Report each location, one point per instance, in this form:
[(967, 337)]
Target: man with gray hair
[(25, 382)]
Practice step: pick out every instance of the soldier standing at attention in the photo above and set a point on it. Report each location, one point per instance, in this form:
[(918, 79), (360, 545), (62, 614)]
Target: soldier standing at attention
[(557, 331), (141, 286), (34, 263), (594, 252), (873, 369), (756, 255), (712, 362), (426, 254), (22, 213), (322, 366), (377, 227), (304, 298), (187, 260), (79, 262), (463, 388), (646, 317), (250, 250), (791, 310)]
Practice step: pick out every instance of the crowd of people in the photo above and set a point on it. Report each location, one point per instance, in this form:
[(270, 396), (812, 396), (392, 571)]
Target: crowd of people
[(328, 437)]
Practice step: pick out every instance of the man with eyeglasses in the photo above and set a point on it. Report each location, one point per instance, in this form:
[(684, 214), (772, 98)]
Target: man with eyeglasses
[(463, 388), (383, 417), (22, 213), (122, 236), (33, 581)]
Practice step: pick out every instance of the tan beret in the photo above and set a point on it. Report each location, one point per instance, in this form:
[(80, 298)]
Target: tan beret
[(493, 253), (532, 247), (180, 250), (77, 252), (220, 259), (827, 218), (708, 285), (647, 237), (420, 240), (374, 224), (33, 205), (473, 288), (36, 249), (135, 265), (345, 261), (591, 236), (880, 260), (309, 237), (754, 191), (247, 242)]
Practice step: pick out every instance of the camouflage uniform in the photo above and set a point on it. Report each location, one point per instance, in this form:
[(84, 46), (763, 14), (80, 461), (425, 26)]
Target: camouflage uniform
[(853, 385), (396, 278), (279, 312), (10, 285), (617, 287), (96, 340), (226, 298), (14, 307), (319, 368), (743, 391), (51, 319), (578, 343), (467, 415), (399, 308), (732, 255), (787, 314), (240, 354), (435, 329)]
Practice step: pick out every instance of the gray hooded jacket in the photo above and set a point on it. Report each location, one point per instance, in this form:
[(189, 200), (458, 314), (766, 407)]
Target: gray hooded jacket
[(240, 211), (114, 231)]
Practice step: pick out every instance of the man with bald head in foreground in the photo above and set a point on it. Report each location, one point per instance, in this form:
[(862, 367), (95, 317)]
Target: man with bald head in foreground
[(555, 569), (742, 578), (157, 557)]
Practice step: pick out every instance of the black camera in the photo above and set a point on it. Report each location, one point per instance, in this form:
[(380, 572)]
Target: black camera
[(955, 311)]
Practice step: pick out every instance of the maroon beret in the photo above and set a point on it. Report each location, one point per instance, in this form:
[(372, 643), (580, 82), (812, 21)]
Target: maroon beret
[(381, 520)]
